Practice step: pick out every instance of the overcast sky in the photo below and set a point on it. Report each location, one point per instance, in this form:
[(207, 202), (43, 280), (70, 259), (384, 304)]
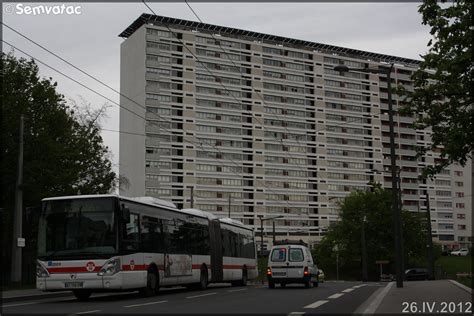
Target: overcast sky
[(90, 39)]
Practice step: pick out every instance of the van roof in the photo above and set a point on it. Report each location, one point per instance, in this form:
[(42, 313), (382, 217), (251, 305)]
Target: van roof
[(290, 242)]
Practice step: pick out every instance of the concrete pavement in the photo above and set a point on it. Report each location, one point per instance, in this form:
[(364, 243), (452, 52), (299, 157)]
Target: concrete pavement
[(19, 295), (426, 297)]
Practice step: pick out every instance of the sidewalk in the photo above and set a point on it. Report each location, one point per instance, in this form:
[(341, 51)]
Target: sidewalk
[(440, 296), (18, 295)]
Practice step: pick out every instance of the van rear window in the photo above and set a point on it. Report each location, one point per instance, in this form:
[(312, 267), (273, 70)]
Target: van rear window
[(296, 255), (278, 255)]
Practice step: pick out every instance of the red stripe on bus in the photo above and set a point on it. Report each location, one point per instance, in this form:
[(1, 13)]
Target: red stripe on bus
[(72, 270), (226, 266)]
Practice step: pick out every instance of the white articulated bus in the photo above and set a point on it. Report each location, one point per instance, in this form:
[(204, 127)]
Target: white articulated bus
[(94, 243)]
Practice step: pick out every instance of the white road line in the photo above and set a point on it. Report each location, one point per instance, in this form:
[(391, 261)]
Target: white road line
[(150, 303), (89, 312), (21, 304), (337, 295), (316, 304), (237, 290), (347, 290), (377, 300), (213, 293), (296, 313)]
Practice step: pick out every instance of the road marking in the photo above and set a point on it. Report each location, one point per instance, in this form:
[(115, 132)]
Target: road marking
[(377, 300), (296, 313), (213, 293), (347, 290), (337, 295), (151, 303), (11, 305), (89, 312), (316, 304), (237, 290)]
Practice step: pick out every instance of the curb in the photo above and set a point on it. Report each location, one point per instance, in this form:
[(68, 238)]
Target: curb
[(38, 296), (370, 306), (462, 286)]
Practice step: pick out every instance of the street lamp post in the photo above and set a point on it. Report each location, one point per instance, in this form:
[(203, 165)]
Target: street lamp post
[(364, 251), (395, 196), (262, 219)]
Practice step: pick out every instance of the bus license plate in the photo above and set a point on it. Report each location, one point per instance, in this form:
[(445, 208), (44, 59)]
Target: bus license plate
[(73, 284)]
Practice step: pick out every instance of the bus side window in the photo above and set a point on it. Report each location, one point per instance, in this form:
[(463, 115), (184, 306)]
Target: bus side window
[(131, 236), (151, 234)]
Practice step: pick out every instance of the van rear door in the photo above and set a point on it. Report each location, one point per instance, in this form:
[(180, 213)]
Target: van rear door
[(295, 262), (278, 262)]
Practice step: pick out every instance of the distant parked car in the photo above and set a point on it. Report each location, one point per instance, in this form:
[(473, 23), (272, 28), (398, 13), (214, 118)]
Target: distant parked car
[(460, 252), (321, 276), (416, 274)]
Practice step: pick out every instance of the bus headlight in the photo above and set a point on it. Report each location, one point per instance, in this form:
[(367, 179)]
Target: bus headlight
[(110, 267), (41, 271)]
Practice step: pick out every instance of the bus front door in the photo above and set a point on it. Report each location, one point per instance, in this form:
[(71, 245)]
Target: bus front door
[(216, 251)]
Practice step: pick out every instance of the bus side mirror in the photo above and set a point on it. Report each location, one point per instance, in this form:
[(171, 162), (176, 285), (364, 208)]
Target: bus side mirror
[(126, 214)]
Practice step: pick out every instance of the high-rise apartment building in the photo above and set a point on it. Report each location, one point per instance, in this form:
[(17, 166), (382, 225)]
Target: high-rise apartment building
[(250, 124)]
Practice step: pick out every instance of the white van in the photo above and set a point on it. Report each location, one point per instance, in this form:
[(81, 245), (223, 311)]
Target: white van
[(291, 262)]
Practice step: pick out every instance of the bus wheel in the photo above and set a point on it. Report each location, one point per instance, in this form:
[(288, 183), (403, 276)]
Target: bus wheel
[(203, 280), (243, 281), (82, 295), (151, 288)]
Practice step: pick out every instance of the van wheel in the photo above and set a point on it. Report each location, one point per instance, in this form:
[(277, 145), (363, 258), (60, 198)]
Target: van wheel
[(271, 284), (82, 295), (203, 280), (152, 287)]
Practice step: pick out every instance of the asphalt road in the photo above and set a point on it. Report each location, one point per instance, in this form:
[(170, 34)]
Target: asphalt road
[(329, 297)]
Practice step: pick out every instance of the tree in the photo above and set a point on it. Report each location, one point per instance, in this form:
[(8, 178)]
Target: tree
[(443, 84), (63, 151), (376, 208)]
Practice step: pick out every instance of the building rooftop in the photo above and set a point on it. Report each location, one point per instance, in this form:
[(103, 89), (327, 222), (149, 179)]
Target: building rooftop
[(159, 20)]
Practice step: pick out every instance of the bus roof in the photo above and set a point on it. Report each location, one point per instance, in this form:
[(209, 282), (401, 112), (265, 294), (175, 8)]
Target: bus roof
[(152, 200), (68, 197), (197, 212)]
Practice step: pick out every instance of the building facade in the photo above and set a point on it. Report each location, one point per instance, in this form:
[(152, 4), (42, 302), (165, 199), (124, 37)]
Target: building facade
[(255, 125)]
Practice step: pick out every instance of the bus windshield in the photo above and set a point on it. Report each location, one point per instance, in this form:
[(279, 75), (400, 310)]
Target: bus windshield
[(77, 227)]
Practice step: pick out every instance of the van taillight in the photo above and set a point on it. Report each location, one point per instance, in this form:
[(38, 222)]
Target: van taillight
[(306, 271), (269, 271)]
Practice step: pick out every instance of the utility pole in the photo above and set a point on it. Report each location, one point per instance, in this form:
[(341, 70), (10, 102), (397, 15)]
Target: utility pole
[(364, 252), (429, 244), (399, 181), (229, 204), (273, 231), (16, 267), (395, 195), (192, 197)]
